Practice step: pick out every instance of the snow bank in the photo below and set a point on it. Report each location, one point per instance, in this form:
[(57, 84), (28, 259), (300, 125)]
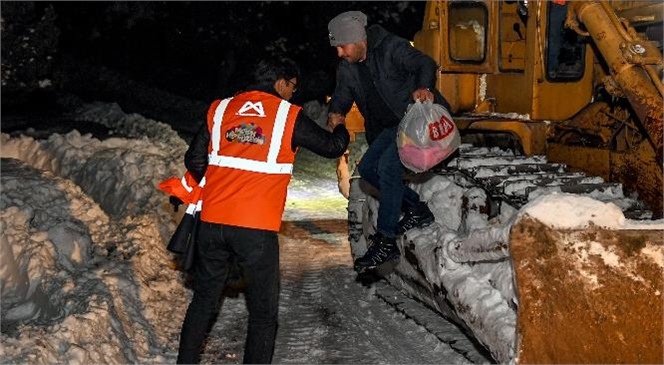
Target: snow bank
[(562, 210), (85, 274)]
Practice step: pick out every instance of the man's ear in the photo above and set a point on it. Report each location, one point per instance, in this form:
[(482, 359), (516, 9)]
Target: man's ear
[(279, 86)]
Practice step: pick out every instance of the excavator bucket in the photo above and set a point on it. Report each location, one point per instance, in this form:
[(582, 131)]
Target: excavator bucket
[(587, 296)]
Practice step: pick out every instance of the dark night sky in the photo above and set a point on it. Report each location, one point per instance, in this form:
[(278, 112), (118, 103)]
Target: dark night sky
[(198, 49), (166, 60)]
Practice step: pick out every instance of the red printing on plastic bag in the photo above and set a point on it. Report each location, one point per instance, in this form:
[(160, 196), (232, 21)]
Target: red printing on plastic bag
[(440, 129)]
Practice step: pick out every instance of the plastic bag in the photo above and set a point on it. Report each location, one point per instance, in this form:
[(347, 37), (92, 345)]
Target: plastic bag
[(426, 136)]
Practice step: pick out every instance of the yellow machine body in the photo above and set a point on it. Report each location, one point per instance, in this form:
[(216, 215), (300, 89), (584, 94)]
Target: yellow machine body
[(574, 80), (581, 83), (577, 81)]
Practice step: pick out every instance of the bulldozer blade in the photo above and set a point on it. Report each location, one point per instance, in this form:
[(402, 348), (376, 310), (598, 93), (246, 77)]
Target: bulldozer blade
[(587, 296)]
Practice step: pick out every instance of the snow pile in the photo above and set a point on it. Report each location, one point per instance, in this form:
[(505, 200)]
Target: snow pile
[(119, 173), (85, 274), (562, 210), (543, 209)]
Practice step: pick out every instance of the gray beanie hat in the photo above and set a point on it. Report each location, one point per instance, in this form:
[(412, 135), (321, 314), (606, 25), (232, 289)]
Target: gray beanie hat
[(347, 28)]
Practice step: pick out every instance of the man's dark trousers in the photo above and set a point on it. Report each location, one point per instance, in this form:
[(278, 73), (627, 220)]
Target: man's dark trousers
[(257, 254), (381, 167)]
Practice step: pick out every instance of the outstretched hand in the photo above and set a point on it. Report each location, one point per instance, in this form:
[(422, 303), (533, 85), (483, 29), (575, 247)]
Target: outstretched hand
[(422, 94), (334, 119)]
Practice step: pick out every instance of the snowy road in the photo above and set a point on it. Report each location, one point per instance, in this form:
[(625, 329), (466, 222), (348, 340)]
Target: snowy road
[(326, 316)]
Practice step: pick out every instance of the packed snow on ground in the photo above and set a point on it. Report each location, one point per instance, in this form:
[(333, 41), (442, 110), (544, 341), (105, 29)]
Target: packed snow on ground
[(84, 272), (86, 277)]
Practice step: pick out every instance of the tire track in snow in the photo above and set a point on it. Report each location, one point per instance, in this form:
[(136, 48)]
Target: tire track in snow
[(325, 315), (301, 312)]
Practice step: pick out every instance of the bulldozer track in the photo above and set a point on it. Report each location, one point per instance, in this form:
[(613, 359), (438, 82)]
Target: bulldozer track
[(510, 182), (515, 180)]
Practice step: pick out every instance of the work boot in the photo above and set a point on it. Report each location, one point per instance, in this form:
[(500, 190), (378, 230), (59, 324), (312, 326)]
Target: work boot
[(416, 217), (381, 249)]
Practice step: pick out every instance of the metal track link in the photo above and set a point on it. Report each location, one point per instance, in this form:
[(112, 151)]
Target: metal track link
[(516, 180)]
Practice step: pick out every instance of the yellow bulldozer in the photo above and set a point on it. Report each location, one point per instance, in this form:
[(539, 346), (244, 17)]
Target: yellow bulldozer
[(570, 87)]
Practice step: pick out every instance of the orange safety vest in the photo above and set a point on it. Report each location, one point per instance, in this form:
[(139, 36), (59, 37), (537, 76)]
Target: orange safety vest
[(250, 161)]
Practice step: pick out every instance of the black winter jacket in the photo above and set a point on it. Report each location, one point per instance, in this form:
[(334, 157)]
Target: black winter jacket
[(396, 68), (306, 134)]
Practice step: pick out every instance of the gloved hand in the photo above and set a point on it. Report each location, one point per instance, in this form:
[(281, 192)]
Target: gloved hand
[(176, 202)]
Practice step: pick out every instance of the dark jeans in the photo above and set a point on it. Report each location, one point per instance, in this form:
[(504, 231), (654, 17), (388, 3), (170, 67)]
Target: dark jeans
[(382, 168), (257, 254)]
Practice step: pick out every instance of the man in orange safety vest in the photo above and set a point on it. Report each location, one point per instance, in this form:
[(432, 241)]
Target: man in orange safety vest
[(245, 153)]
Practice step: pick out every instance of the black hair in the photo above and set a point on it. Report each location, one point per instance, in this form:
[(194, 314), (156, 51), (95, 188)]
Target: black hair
[(268, 71)]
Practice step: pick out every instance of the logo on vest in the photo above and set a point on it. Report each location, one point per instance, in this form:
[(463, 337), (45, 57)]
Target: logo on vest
[(250, 109), (246, 133)]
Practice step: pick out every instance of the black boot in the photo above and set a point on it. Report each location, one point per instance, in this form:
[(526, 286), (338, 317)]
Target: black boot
[(381, 249), (416, 217)]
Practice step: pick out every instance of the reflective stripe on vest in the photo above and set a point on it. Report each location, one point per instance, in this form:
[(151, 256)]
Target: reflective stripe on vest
[(188, 182), (215, 134), (185, 188), (196, 206), (193, 208), (267, 167), (185, 185)]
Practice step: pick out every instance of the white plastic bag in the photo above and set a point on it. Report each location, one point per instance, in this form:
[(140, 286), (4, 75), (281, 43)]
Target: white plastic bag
[(427, 135)]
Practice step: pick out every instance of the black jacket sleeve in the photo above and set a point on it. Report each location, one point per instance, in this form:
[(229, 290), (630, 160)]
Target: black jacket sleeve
[(196, 157), (311, 136), (343, 95)]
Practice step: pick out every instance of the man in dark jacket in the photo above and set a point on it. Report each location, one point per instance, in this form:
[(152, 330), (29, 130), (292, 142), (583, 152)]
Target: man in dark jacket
[(243, 158), (382, 73)]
